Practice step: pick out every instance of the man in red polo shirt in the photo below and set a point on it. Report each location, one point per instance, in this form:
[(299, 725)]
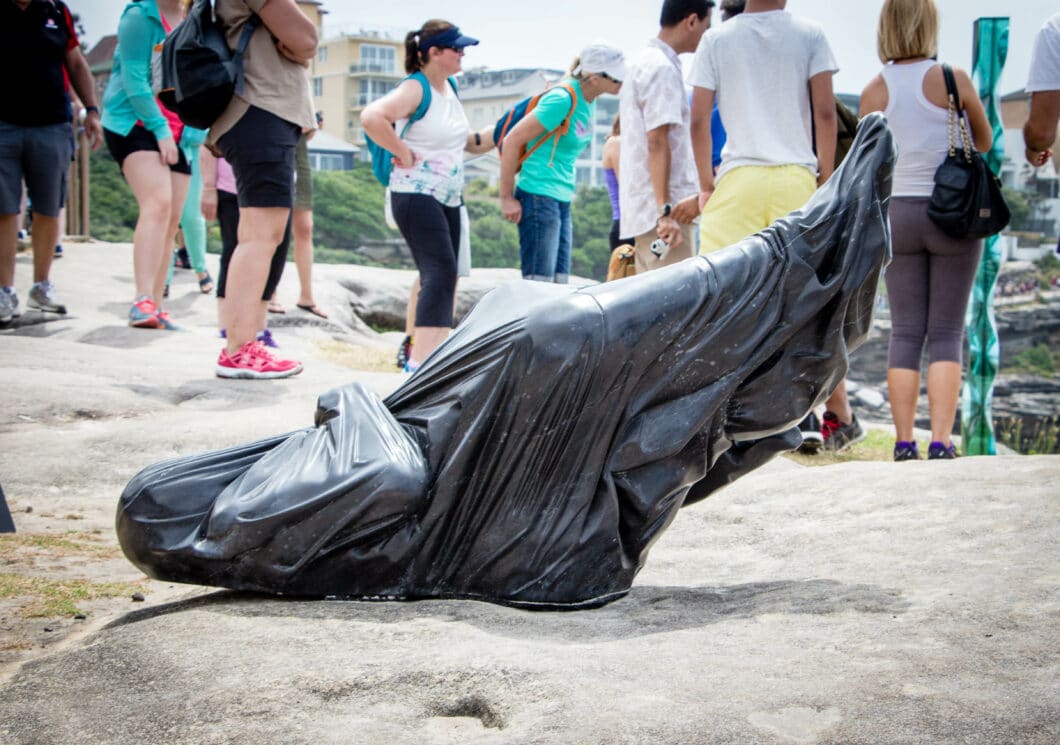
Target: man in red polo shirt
[(37, 44)]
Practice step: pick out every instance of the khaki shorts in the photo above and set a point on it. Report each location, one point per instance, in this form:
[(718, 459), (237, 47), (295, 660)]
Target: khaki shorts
[(750, 198)]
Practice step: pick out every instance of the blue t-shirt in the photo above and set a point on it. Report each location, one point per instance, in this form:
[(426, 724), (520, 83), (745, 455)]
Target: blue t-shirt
[(552, 173)]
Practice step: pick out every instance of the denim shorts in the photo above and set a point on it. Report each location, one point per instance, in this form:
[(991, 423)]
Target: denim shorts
[(41, 157), (545, 237), (260, 149)]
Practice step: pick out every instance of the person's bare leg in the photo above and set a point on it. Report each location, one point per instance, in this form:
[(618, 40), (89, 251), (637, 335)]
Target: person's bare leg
[(179, 183), (261, 229), (944, 391), (150, 182), (302, 227), (8, 248), (903, 389), (839, 404), (425, 340), (45, 236)]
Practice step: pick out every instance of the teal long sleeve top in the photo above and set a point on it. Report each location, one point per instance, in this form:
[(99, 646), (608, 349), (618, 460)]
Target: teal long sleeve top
[(128, 97)]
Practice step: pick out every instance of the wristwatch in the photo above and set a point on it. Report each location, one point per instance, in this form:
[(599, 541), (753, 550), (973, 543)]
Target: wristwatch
[(665, 210)]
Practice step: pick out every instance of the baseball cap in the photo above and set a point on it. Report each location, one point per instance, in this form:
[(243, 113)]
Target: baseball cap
[(451, 37), (602, 58)]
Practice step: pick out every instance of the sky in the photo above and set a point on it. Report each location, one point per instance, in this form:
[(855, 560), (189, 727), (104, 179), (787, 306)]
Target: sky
[(549, 33)]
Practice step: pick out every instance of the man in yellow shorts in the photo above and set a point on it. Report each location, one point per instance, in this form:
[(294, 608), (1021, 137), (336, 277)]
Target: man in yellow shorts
[(772, 75)]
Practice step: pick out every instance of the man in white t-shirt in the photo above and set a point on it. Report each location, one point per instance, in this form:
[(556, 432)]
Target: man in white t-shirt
[(1039, 133), (772, 75), (658, 186)]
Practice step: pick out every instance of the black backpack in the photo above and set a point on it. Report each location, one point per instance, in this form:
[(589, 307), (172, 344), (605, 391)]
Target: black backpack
[(196, 73)]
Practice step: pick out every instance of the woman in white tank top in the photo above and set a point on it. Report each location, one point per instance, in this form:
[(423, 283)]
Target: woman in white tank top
[(930, 276), (427, 179)]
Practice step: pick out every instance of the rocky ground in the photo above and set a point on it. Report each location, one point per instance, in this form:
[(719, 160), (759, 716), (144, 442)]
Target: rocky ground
[(854, 603)]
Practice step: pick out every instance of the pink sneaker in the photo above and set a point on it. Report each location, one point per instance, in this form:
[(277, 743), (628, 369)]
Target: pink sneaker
[(166, 323), (143, 314), (253, 360)]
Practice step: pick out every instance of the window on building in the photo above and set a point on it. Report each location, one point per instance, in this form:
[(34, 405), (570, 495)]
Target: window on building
[(322, 54), (372, 89), (318, 86), (375, 58)]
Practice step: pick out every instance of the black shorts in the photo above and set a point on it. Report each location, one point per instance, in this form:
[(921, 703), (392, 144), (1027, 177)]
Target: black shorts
[(138, 140), (228, 217), (260, 149)]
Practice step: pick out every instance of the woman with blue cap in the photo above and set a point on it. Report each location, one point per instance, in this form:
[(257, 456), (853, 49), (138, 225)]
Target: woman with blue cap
[(427, 180)]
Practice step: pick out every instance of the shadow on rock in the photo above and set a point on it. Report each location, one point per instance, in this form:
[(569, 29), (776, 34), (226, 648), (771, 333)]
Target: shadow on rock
[(120, 337), (645, 610)]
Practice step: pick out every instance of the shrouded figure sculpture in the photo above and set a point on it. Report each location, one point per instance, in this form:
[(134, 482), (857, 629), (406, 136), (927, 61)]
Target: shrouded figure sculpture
[(538, 454)]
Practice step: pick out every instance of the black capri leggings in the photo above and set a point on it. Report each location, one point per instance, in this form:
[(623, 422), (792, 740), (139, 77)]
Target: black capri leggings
[(432, 231), (928, 284), (228, 217)]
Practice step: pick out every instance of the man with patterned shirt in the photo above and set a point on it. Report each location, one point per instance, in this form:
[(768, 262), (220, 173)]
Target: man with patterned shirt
[(38, 50), (658, 185)]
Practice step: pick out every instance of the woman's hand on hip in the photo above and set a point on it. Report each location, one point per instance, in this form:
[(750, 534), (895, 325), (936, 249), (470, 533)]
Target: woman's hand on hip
[(404, 159)]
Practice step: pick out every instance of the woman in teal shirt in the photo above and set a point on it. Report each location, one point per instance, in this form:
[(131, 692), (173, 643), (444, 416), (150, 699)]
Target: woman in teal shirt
[(538, 199), (143, 137)]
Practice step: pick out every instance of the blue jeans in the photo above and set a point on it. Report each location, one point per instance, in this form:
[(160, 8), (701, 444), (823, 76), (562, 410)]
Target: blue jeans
[(545, 237)]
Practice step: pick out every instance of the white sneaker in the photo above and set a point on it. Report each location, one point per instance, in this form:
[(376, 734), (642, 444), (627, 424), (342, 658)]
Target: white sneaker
[(8, 303), (42, 297)]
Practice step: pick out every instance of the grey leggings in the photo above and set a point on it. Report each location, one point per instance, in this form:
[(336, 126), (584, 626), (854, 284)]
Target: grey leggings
[(928, 284)]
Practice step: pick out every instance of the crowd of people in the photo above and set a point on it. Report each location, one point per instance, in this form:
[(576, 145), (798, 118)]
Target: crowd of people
[(687, 173)]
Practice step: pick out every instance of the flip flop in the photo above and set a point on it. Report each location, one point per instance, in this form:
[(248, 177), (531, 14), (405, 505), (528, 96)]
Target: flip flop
[(275, 307), (206, 284), (313, 309)]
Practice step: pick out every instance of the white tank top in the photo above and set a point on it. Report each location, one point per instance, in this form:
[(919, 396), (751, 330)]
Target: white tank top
[(919, 128), (438, 141)]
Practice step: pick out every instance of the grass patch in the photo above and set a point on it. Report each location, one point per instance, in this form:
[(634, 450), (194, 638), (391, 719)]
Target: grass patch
[(356, 357), (877, 445), (52, 598), (71, 543)]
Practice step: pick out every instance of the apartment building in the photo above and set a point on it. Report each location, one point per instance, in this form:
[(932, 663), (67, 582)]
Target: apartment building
[(352, 70)]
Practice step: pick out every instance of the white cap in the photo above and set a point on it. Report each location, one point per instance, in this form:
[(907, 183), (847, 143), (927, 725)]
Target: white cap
[(602, 58)]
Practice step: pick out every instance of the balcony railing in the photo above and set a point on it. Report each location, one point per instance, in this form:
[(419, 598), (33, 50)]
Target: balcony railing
[(375, 67)]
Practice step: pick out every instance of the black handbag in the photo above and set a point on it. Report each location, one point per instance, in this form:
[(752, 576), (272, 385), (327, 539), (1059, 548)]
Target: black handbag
[(966, 201)]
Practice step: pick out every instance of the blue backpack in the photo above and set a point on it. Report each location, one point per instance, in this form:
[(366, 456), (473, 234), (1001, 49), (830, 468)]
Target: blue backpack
[(382, 163)]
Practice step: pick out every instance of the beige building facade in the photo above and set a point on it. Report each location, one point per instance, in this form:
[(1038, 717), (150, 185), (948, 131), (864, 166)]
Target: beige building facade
[(350, 71)]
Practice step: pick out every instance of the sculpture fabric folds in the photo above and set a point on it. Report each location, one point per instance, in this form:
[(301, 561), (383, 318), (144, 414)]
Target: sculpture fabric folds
[(537, 455)]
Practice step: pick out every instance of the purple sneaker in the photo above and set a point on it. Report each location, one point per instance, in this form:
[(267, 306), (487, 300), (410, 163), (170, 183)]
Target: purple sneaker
[(265, 337), (939, 451)]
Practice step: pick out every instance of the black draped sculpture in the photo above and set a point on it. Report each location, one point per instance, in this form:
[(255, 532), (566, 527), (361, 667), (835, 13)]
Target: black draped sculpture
[(538, 454)]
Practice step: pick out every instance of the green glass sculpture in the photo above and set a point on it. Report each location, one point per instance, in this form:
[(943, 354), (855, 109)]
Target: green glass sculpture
[(989, 50)]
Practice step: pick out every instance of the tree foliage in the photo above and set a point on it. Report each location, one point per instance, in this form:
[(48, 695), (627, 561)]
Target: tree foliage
[(112, 203), (348, 211)]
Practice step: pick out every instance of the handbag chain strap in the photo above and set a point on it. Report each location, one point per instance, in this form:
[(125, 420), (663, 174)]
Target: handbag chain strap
[(957, 125)]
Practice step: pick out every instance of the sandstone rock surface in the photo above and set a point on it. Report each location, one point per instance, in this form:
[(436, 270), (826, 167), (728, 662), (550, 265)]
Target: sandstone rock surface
[(856, 603)]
